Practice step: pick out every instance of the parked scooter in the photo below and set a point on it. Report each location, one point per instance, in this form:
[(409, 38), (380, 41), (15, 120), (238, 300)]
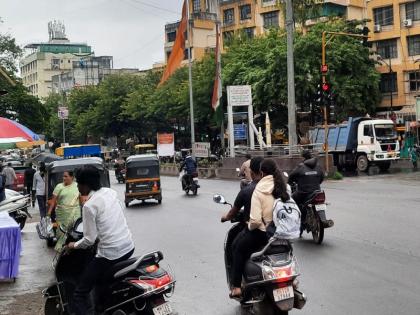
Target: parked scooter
[(17, 206), (269, 284), (134, 286)]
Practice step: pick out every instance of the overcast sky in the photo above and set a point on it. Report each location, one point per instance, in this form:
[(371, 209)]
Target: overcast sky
[(130, 30)]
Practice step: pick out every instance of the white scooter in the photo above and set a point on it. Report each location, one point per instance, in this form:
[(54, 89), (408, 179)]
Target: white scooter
[(17, 206)]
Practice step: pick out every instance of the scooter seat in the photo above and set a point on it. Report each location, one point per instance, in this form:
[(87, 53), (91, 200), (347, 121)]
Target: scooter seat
[(275, 246), (121, 265)]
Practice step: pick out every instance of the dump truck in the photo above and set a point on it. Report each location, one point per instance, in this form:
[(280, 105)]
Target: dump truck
[(359, 143)]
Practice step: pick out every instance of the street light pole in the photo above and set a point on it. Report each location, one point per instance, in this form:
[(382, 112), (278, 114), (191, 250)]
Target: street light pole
[(190, 76), (291, 102)]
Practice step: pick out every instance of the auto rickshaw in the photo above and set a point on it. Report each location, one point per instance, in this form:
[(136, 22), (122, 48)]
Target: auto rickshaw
[(54, 176), (142, 178)]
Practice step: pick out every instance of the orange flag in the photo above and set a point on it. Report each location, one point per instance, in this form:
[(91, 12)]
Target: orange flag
[(177, 54)]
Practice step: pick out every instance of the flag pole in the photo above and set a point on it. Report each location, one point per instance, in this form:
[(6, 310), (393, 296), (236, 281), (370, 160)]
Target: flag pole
[(190, 76)]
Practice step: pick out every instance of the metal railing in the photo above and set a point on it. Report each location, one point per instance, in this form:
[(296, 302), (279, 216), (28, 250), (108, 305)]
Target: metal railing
[(278, 150)]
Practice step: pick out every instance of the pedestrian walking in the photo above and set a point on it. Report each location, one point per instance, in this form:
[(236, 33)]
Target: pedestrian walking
[(29, 180), (413, 157), (65, 205), (10, 175), (39, 187), (2, 186)]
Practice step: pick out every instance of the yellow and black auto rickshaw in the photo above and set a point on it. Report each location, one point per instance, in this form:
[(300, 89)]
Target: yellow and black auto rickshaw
[(142, 178)]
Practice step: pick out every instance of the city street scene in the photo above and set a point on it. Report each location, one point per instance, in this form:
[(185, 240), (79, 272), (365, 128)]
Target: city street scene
[(214, 157)]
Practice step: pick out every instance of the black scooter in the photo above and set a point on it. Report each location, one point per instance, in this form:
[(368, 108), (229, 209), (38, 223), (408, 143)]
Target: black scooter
[(269, 284), (134, 286)]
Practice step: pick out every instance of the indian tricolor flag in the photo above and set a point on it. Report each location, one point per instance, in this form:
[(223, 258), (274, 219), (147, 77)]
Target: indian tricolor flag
[(177, 53)]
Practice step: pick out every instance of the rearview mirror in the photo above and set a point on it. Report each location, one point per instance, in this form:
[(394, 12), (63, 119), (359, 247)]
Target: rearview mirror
[(219, 199)]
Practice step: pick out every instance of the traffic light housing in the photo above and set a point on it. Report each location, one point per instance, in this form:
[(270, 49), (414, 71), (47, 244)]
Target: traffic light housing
[(365, 42)]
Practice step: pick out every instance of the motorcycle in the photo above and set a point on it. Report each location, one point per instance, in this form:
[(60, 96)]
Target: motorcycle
[(316, 221), (120, 175), (134, 286), (270, 284), (190, 183), (17, 206)]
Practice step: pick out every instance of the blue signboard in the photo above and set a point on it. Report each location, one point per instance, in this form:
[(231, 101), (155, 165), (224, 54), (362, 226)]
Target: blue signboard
[(239, 131)]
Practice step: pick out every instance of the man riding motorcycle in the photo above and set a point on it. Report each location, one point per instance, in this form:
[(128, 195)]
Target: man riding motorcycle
[(189, 165), (308, 176)]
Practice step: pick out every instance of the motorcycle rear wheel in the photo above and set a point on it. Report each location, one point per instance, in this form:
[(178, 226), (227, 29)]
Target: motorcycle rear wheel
[(318, 230), (267, 307)]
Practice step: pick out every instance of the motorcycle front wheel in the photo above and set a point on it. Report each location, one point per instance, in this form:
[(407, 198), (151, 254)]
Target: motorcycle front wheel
[(317, 230), (53, 307)]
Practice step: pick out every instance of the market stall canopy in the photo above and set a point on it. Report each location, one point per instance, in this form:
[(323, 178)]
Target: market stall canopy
[(10, 143), (12, 129)]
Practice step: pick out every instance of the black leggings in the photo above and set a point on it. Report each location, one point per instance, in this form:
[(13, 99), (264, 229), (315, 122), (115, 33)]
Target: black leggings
[(92, 274), (245, 244)]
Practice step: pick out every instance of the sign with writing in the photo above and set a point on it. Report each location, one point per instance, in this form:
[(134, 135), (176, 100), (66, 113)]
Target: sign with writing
[(165, 144), (63, 113), (418, 108), (239, 95), (201, 149), (239, 131)]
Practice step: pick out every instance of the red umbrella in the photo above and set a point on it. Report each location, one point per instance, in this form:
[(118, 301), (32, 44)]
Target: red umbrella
[(12, 129)]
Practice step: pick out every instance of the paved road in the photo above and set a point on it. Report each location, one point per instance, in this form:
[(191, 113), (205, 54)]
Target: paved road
[(369, 262)]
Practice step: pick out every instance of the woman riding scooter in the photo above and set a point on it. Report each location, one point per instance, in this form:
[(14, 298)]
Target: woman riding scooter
[(271, 186)]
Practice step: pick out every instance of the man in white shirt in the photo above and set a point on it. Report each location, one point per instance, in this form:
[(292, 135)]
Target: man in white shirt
[(103, 220)]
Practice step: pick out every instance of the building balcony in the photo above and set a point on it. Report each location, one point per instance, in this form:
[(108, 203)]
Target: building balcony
[(204, 16)]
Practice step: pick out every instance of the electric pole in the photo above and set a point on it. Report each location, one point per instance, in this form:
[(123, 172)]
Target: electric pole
[(291, 103)]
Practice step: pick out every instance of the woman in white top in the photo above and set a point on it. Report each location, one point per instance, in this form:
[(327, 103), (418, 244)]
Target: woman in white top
[(39, 187)]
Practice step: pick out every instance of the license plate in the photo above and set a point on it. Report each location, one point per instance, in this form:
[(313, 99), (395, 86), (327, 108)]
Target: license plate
[(283, 293), (321, 207), (163, 309)]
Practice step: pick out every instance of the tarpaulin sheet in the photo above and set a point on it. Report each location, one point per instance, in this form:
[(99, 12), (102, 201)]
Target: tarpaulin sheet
[(10, 247)]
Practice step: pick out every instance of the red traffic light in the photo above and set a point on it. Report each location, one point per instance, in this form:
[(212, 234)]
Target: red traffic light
[(324, 68), (325, 87)]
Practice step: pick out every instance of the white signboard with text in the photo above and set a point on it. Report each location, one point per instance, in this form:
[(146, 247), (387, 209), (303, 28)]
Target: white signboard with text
[(239, 95), (201, 149), (165, 144), (63, 112)]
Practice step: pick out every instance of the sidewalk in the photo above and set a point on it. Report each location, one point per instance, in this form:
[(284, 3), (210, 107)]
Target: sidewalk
[(35, 273)]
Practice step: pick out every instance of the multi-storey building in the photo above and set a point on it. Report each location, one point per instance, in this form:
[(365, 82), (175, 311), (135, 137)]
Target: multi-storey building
[(395, 34), (51, 58), (203, 30), (254, 17), (87, 71)]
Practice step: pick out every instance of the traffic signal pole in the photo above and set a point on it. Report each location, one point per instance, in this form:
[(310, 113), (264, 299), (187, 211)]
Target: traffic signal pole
[(324, 82)]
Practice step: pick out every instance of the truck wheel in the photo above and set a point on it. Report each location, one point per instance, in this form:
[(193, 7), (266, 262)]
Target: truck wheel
[(362, 163), (384, 166)]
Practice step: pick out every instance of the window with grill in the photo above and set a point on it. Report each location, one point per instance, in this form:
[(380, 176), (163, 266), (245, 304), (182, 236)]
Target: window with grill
[(387, 48), (413, 45), (271, 19), (196, 6), (249, 32), (412, 11), (388, 82), (55, 64), (227, 37), (414, 81), (383, 16), (229, 16), (171, 36), (245, 11)]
